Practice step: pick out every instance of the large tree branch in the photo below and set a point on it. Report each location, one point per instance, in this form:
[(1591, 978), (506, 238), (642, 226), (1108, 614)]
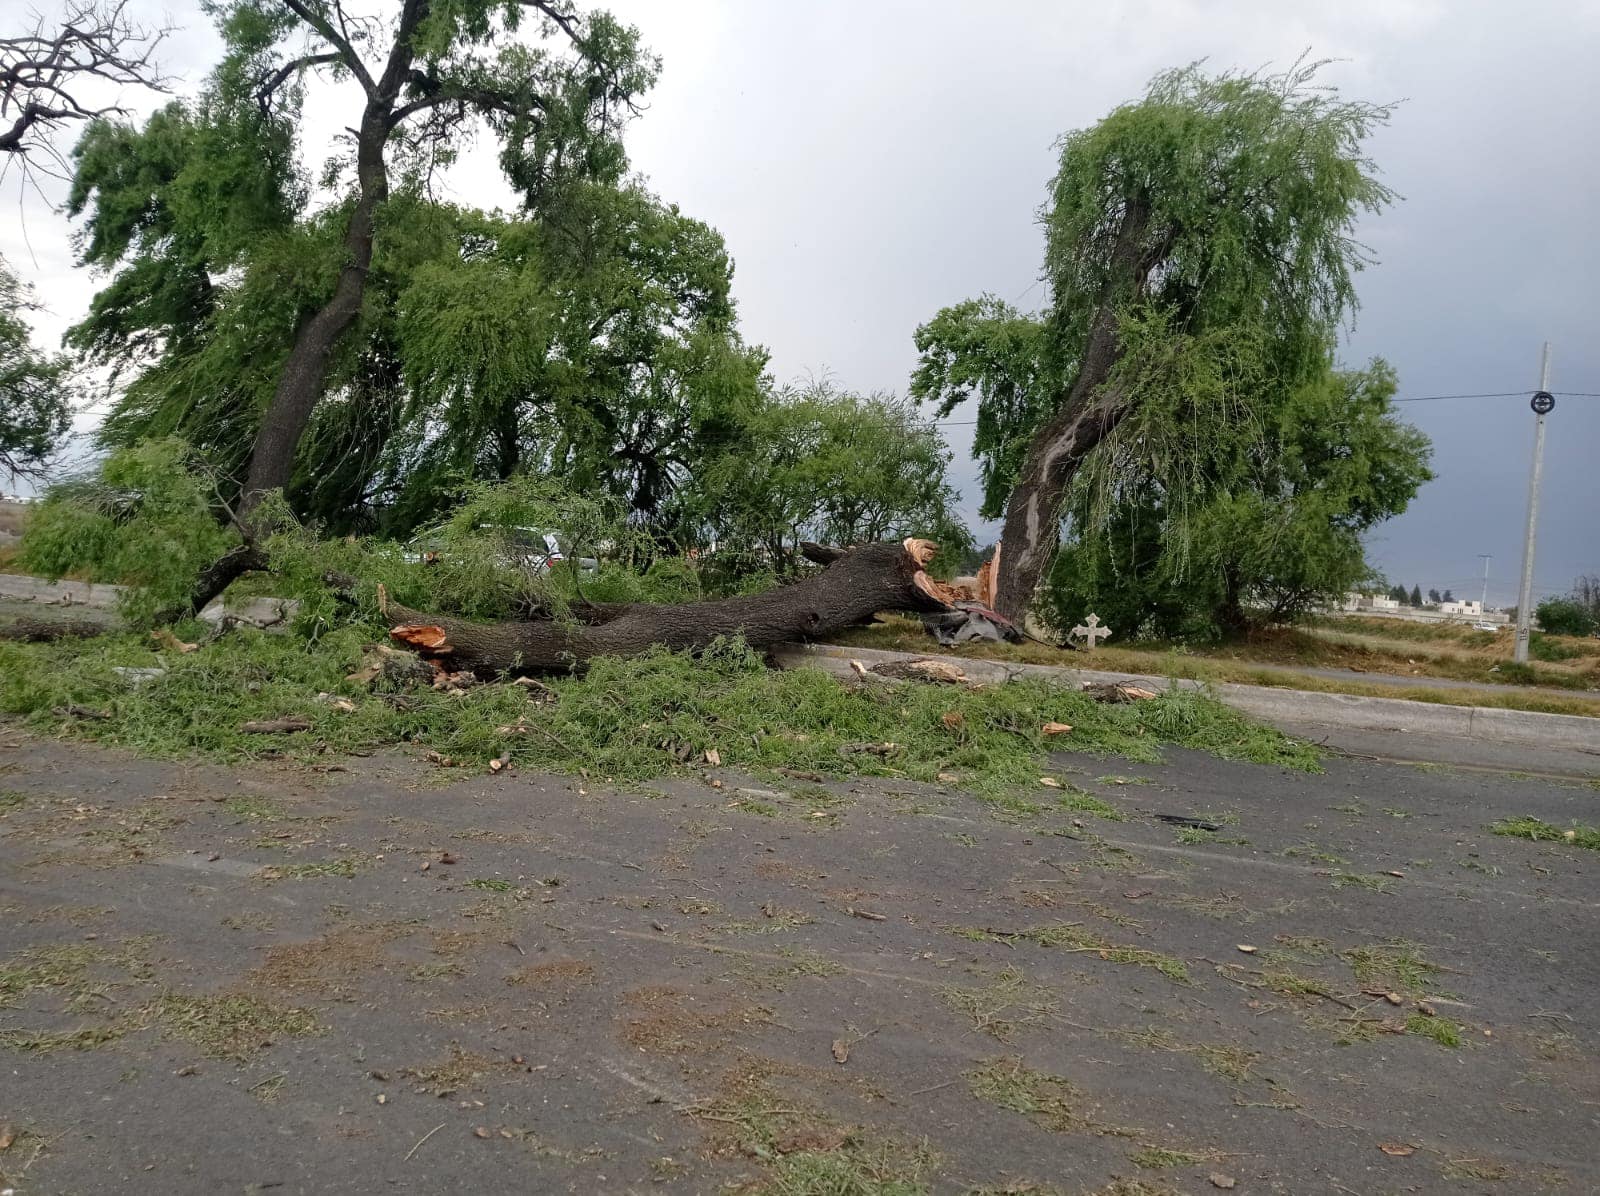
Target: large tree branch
[(482, 99), (867, 579), (346, 50), (269, 86), (402, 52)]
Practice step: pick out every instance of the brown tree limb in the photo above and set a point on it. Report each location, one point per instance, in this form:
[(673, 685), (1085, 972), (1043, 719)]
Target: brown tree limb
[(44, 74), (216, 577), (821, 554), (873, 577)]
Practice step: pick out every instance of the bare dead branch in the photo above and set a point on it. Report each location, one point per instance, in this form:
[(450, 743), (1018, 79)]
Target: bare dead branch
[(48, 74)]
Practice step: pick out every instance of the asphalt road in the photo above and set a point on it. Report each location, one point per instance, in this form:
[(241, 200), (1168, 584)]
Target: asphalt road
[(270, 980)]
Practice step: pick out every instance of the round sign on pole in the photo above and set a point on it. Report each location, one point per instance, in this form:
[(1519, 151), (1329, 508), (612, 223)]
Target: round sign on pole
[(1543, 402)]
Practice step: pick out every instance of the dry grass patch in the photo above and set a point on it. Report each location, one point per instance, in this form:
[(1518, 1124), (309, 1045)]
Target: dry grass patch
[(556, 972), (458, 1070), (668, 1021), (234, 1025), (1008, 1003), (332, 965)]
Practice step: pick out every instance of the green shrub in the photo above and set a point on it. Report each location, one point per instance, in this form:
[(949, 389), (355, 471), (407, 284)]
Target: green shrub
[(144, 520), (1564, 616)]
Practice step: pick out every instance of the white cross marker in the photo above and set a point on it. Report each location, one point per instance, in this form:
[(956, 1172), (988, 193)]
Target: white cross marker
[(1091, 632)]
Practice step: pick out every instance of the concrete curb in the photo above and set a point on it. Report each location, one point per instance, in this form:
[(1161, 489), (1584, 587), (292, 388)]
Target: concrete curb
[(20, 588), (270, 613), (1291, 707)]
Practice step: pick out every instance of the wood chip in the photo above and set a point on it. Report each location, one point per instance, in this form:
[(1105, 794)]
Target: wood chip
[(938, 670), (275, 726), (1398, 1150), (865, 913), (1056, 728), (481, 1132), (841, 1051), (1050, 782), (165, 639), (1247, 948), (713, 757)]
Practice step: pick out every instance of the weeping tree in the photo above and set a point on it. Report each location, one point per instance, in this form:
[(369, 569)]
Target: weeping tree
[(1272, 528), (1201, 258), (422, 76), (817, 463), (35, 388), (231, 295), (198, 197)]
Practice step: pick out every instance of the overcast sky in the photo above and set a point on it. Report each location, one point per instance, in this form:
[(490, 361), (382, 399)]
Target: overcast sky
[(869, 163)]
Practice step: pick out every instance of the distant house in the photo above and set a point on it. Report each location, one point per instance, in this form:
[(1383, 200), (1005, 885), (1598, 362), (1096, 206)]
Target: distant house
[(1462, 610), (1354, 602)]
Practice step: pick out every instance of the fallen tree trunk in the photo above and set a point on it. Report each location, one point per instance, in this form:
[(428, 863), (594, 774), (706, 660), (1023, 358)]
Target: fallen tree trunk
[(861, 581)]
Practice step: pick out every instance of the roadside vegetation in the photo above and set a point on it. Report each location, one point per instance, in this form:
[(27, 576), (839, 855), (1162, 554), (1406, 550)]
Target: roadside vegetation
[(1275, 657), (625, 720)]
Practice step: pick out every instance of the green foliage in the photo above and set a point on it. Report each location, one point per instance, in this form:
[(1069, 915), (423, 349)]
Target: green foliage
[(986, 348), (35, 388), (1244, 191), (625, 719), (204, 216), (1271, 518), (144, 520), (1539, 831), (1565, 616), (825, 465)]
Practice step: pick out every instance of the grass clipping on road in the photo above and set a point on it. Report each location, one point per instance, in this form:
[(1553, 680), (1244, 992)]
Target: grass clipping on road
[(626, 720)]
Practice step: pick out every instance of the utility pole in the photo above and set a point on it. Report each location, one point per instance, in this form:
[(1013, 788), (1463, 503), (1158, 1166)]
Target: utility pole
[(1484, 603), (1543, 403)]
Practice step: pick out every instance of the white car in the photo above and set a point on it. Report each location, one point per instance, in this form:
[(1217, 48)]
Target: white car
[(529, 548)]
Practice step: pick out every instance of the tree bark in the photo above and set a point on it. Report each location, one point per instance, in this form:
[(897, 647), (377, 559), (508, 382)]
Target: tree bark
[(306, 371), (1088, 413), (216, 577), (864, 580)]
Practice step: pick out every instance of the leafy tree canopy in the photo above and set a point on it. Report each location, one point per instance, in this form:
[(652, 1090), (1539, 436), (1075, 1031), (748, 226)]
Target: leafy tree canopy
[(588, 340), (1565, 616), (35, 387), (825, 465), (1280, 531), (1200, 258)]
